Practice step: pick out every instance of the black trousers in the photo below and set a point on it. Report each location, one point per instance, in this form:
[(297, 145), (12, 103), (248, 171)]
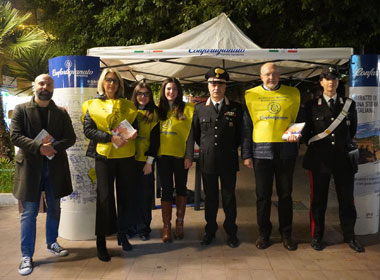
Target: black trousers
[(344, 186), (211, 189), (282, 171), (144, 198), (110, 173), (168, 167)]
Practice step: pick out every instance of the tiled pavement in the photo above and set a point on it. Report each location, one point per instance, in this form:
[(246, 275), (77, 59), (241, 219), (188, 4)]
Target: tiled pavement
[(187, 259)]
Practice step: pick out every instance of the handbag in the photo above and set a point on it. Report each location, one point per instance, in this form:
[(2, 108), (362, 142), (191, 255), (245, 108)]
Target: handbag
[(353, 154)]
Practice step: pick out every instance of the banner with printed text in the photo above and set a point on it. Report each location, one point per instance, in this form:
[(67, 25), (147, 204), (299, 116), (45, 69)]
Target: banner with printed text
[(365, 91), (75, 81)]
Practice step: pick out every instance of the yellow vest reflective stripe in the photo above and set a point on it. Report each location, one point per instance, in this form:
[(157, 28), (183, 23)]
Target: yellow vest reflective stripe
[(143, 138), (107, 114), (272, 111), (174, 133)]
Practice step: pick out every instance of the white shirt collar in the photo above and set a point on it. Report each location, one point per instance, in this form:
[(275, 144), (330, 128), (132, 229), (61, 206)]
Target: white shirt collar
[(327, 98), (220, 102), (275, 88)]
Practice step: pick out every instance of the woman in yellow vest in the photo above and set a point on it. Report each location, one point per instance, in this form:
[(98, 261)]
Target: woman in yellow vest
[(147, 143), (114, 158), (175, 123)]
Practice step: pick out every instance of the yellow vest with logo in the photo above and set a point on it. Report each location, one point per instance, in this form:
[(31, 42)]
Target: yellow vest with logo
[(174, 133), (143, 138), (107, 114), (272, 111)]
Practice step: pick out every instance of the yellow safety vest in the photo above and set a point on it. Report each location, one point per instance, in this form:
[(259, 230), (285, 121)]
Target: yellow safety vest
[(84, 109), (174, 133), (143, 138), (107, 114), (272, 111)]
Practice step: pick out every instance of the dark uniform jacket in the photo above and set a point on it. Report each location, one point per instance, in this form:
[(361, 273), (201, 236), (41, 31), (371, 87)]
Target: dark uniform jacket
[(324, 154), (25, 126), (218, 136)]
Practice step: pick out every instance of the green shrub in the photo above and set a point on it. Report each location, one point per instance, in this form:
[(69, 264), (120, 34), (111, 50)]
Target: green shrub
[(7, 172)]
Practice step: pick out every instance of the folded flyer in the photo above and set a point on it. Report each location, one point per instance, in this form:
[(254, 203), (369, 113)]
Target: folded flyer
[(44, 137), (293, 129), (124, 129)]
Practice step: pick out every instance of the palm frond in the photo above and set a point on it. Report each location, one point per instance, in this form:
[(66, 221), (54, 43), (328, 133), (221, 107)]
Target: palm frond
[(10, 19), (31, 63), (25, 40), (14, 37)]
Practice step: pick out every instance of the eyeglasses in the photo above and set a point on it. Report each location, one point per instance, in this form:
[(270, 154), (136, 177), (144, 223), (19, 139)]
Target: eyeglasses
[(110, 80), (145, 94), (216, 83)]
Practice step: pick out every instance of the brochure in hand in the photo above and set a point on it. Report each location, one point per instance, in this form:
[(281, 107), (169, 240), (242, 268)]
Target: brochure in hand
[(124, 129), (293, 129), (44, 137)]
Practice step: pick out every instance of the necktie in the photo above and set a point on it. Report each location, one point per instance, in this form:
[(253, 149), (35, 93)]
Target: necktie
[(217, 108), (332, 104)]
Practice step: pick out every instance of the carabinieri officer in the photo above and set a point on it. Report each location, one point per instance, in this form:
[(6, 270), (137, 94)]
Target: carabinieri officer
[(216, 129), (329, 156)]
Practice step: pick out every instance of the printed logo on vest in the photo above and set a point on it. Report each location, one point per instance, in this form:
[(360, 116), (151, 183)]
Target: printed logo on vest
[(274, 108)]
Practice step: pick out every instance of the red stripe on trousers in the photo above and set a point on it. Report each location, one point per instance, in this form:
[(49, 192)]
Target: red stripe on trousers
[(312, 222)]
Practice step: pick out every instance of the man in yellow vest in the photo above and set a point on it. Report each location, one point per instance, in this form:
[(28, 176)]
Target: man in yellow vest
[(270, 109)]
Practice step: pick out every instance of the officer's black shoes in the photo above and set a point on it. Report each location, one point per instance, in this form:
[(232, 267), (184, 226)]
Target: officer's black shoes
[(233, 242), (289, 243), (144, 237), (316, 244), (355, 245), (207, 239), (262, 242)]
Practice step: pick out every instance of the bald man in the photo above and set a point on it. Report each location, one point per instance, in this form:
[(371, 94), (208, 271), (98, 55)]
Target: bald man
[(41, 165), (269, 109)]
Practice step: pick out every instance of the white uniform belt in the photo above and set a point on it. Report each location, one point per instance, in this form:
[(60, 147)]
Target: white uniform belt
[(334, 124)]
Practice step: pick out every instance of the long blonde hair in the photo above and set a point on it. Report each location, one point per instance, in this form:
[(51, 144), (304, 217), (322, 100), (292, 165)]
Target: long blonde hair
[(120, 90)]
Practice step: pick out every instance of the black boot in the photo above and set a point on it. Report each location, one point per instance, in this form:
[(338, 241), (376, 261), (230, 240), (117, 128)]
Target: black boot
[(102, 249), (123, 241)]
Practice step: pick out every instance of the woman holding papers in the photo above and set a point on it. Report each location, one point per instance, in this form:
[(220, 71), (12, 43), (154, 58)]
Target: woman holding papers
[(114, 157), (147, 143), (175, 122)]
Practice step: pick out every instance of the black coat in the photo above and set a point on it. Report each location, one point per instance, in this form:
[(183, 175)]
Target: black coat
[(321, 155), (218, 136), (25, 126)]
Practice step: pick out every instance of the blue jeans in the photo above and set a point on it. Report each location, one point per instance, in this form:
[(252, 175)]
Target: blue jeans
[(30, 212)]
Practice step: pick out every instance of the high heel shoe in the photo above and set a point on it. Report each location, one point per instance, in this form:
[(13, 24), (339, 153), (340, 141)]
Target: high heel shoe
[(123, 241), (102, 249)]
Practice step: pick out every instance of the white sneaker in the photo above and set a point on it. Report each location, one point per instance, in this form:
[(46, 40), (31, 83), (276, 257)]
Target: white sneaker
[(57, 250), (26, 266)]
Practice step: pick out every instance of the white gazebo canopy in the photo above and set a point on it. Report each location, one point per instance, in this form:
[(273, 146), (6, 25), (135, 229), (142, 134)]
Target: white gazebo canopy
[(217, 42)]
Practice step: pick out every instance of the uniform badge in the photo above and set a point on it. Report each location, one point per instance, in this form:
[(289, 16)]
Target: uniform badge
[(230, 114), (231, 124)]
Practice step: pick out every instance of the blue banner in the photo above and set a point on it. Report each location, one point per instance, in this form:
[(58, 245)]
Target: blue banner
[(75, 71), (365, 91), (364, 71)]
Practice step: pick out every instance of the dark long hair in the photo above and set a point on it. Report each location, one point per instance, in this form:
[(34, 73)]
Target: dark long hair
[(178, 105), (150, 107)]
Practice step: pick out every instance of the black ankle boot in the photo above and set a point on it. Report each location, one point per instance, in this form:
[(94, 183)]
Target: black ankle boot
[(102, 249), (123, 241)]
